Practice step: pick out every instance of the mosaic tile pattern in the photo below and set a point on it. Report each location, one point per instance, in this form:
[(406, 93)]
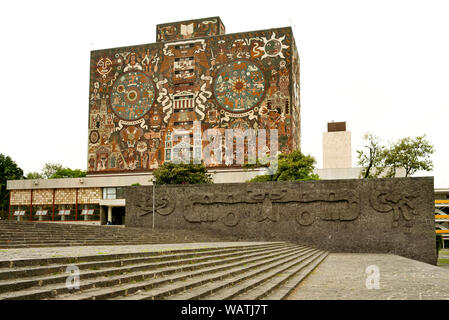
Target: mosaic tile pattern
[(140, 94)]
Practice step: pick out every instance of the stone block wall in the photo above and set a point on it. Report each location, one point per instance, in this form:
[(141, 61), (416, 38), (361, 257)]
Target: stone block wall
[(20, 197), (65, 196), (62, 196), (43, 196), (372, 216), (89, 195)]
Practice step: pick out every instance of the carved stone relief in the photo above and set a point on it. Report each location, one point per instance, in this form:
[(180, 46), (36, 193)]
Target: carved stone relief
[(400, 203)]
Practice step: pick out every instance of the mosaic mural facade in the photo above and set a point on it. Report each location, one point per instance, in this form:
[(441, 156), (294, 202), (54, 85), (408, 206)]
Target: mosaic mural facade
[(139, 95)]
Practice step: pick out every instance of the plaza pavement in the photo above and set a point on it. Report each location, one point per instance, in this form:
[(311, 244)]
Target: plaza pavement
[(342, 276)]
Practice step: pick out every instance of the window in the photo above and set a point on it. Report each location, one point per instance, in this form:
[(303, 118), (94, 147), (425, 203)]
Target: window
[(184, 46), (64, 213), (183, 123), (186, 84), (109, 193)]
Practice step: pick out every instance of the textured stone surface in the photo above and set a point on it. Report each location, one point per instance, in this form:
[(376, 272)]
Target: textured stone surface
[(373, 216), (343, 276), (35, 253)]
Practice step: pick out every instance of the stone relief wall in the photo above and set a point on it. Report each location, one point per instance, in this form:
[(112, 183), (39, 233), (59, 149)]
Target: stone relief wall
[(381, 215)]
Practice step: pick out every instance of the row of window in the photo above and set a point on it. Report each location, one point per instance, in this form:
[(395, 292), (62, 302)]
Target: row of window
[(60, 212), (68, 212)]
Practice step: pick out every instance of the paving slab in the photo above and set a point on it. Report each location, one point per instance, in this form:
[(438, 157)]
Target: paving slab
[(77, 251), (344, 276)]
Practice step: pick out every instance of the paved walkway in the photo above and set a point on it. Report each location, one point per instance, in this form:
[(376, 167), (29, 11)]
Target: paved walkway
[(76, 251), (342, 276)]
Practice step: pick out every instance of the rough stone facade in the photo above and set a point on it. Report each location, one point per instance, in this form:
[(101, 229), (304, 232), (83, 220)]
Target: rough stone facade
[(65, 196), (89, 195), (375, 215), (193, 79), (20, 197), (43, 196)]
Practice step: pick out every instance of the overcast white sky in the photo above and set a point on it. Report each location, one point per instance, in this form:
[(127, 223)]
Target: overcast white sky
[(382, 66)]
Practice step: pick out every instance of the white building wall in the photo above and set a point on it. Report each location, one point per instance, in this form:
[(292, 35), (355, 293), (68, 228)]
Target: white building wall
[(337, 149)]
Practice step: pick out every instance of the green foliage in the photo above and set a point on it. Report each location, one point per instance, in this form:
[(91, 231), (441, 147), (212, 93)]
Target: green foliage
[(294, 166), (411, 154), (9, 170), (171, 173), (135, 184), (50, 169), (54, 171), (372, 158), (34, 175), (68, 173)]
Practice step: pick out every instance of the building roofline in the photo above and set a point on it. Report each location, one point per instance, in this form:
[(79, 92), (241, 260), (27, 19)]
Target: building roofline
[(196, 38)]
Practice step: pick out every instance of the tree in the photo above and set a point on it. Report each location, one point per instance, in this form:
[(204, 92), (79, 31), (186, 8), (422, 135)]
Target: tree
[(171, 173), (371, 160), (68, 173), (34, 175), (412, 154), (294, 166), (9, 170), (54, 171), (50, 169)]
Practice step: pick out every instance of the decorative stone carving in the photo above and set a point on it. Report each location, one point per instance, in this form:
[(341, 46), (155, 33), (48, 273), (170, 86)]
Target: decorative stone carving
[(163, 206), (268, 206), (363, 215), (400, 203)]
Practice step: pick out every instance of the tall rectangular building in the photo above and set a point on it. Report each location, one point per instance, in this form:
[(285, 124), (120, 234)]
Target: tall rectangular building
[(194, 78), (337, 151)]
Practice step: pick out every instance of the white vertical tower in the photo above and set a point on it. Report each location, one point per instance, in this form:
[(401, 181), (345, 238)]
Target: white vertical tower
[(337, 146)]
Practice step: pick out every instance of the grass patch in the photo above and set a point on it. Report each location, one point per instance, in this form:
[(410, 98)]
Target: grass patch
[(443, 261)]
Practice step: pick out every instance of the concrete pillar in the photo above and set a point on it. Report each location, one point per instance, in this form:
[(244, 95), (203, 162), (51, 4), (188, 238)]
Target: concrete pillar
[(109, 213), (102, 215)]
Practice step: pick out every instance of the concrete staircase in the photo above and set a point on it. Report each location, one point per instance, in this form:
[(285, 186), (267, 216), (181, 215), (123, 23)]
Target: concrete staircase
[(252, 271), (15, 234)]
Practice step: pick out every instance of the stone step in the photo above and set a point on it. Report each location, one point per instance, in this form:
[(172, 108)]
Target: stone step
[(284, 289), (75, 244), (21, 263), (124, 260), (228, 288), (177, 275), (33, 234), (176, 287), (269, 282), (53, 285)]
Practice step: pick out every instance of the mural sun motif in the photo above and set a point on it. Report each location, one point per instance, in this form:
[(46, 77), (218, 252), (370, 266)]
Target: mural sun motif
[(239, 86), (132, 95), (273, 47)]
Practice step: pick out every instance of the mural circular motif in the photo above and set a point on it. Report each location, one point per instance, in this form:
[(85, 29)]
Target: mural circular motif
[(239, 86), (132, 95), (273, 47), (94, 136)]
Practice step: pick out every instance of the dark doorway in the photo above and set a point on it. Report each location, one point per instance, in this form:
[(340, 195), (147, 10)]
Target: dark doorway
[(118, 215)]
